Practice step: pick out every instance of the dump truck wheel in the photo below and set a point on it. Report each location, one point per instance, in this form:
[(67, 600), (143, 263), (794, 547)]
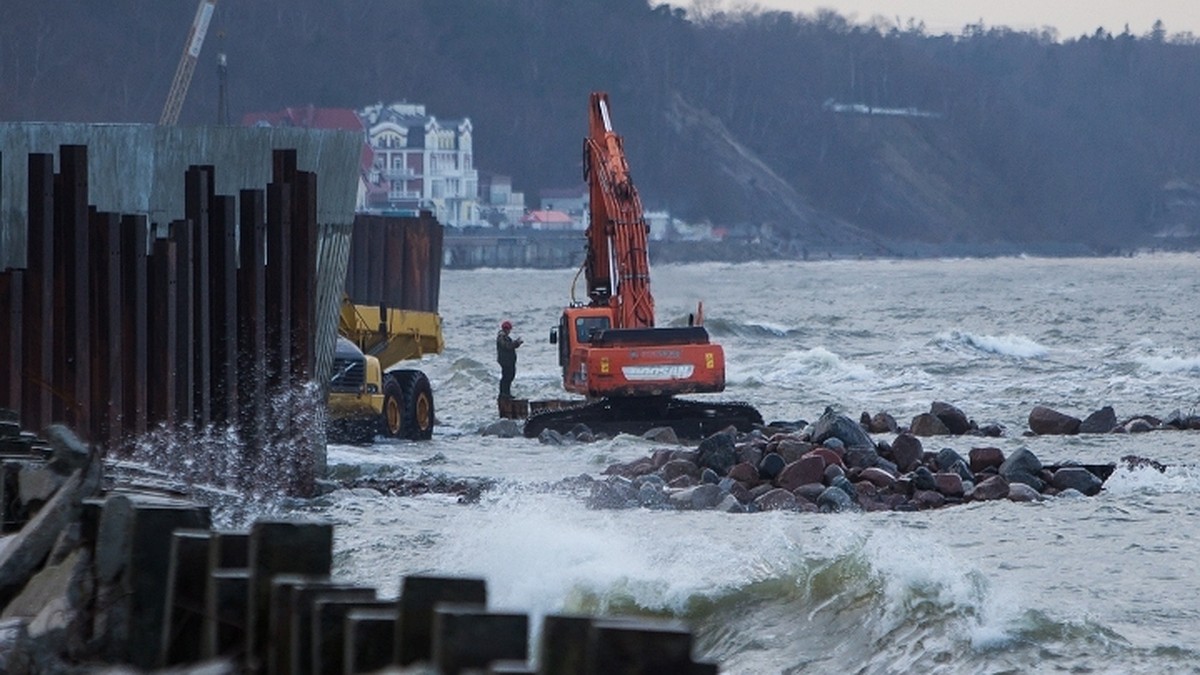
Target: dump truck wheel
[(418, 417), (392, 420)]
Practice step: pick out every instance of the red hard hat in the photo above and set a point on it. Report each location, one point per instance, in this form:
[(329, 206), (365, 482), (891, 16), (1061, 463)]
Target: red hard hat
[(507, 325)]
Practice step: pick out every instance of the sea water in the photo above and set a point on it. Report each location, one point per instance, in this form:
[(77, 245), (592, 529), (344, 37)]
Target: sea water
[(1106, 584)]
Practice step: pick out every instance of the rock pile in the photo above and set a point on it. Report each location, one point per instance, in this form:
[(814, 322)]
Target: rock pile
[(833, 465), (1044, 421)]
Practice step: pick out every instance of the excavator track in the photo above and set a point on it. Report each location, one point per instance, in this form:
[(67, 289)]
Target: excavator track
[(610, 416)]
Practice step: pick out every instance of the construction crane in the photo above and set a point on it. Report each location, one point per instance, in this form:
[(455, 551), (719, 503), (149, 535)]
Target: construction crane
[(187, 63)]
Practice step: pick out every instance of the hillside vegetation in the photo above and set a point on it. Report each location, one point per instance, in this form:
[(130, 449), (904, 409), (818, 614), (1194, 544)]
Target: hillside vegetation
[(764, 122)]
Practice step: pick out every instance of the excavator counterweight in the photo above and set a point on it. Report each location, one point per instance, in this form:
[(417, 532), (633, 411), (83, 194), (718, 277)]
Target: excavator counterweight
[(610, 350)]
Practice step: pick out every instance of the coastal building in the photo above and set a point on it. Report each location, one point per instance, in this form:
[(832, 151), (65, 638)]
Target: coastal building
[(411, 160), (499, 205), (571, 200), (421, 162)]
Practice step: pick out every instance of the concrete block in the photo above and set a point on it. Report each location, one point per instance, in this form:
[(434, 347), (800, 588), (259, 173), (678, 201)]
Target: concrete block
[(24, 551), (229, 549), (369, 635), (510, 668), (564, 644), (36, 485), (418, 597), (279, 621), (225, 609), (68, 453), (304, 615), (132, 564), (471, 637), (281, 547), (11, 514), (70, 580), (187, 588), (639, 646), (328, 630)]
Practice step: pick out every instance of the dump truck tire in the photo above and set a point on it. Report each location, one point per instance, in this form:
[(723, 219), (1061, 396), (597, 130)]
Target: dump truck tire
[(418, 415), (391, 422)]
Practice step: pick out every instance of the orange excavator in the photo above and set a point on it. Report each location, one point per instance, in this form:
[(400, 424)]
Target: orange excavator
[(630, 370)]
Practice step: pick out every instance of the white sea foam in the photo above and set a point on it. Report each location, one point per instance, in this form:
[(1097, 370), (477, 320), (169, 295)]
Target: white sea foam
[(1170, 364), (1014, 346), (801, 366)]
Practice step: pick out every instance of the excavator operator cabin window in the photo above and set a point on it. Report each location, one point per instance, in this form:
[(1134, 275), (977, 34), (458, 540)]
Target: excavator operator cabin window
[(586, 325)]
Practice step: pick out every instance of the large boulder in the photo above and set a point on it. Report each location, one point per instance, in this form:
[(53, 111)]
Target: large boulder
[(770, 466), (777, 499), (717, 452), (807, 469), (1078, 478), (954, 419), (995, 487), (848, 431), (1023, 466), (834, 499), (907, 452), (1102, 421), (985, 458), (928, 424), (1045, 421)]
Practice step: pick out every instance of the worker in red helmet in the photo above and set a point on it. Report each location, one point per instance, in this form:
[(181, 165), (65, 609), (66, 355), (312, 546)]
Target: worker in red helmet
[(506, 355)]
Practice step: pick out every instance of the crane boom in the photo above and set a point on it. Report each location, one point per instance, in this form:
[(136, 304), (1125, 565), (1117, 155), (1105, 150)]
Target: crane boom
[(187, 63)]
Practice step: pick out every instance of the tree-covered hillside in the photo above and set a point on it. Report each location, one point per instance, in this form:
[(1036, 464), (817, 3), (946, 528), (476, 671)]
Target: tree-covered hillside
[(764, 120)]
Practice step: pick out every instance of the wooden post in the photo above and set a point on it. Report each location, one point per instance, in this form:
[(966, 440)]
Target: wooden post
[(71, 266), (251, 289), (198, 194), (134, 324), (279, 302), (163, 334), (106, 367), (184, 299), (304, 274), (224, 257), (39, 294), (12, 297)]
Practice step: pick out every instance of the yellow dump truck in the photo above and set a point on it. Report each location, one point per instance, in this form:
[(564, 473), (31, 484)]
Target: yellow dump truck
[(388, 317)]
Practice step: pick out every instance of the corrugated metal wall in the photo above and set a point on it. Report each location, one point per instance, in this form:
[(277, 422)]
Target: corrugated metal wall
[(138, 168)]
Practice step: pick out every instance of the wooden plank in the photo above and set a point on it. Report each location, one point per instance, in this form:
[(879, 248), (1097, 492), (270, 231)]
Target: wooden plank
[(394, 263), (106, 364), (39, 294), (223, 249), (134, 324), (357, 268), (163, 334), (375, 262)]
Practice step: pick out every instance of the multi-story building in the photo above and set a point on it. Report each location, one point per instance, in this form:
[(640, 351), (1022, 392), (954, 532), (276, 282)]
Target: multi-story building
[(420, 162), (498, 204)]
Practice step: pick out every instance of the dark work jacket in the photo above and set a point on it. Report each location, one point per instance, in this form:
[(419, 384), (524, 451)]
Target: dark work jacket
[(506, 349)]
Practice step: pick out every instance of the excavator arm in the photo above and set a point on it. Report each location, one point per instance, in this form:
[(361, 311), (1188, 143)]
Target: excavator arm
[(617, 230)]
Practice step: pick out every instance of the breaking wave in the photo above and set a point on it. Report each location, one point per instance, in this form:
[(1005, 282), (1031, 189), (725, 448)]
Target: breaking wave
[(1012, 346)]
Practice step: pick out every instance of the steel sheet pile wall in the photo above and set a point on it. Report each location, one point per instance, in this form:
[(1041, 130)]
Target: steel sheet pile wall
[(395, 262), (115, 331)]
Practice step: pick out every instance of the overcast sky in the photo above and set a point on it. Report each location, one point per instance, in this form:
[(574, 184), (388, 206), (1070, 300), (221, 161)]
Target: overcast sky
[(1072, 18)]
